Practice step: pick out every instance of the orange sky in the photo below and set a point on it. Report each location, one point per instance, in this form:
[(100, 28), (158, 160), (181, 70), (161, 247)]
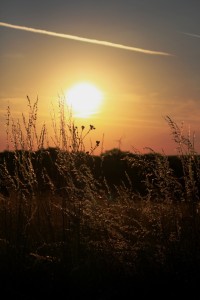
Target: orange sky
[(139, 89)]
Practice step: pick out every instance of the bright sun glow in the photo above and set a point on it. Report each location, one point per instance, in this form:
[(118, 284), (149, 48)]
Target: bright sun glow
[(84, 99)]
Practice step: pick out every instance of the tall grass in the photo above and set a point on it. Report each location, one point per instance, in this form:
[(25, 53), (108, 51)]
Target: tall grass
[(55, 212)]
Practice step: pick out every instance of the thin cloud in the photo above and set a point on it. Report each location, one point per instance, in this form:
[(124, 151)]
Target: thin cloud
[(192, 34), (82, 39)]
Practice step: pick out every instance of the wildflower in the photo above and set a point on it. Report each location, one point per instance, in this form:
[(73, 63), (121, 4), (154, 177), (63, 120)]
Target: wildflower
[(92, 127)]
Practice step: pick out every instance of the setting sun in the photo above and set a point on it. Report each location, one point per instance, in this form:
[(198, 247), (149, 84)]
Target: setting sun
[(84, 99)]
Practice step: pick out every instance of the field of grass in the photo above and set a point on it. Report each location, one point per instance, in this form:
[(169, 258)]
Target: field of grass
[(96, 227)]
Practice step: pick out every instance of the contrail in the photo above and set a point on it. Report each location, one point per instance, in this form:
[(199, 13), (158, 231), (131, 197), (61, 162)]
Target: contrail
[(82, 39), (192, 34)]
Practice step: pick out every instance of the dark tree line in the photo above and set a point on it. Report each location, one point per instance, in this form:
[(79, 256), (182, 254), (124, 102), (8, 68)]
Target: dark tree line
[(116, 168)]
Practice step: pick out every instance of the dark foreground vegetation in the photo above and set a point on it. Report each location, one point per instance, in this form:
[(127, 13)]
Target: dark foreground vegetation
[(73, 224)]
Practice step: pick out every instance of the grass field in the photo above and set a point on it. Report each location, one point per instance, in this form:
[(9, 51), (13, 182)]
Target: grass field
[(96, 227)]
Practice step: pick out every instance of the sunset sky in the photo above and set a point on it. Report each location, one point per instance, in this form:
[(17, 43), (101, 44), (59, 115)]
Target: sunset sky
[(143, 55)]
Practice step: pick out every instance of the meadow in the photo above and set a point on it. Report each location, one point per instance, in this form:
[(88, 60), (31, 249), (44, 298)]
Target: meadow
[(73, 223)]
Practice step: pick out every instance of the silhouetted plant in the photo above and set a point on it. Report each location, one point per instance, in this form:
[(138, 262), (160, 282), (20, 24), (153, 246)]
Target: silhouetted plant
[(118, 214)]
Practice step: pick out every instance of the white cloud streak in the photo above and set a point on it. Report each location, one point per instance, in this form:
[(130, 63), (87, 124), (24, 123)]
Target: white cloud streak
[(192, 34), (82, 39)]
